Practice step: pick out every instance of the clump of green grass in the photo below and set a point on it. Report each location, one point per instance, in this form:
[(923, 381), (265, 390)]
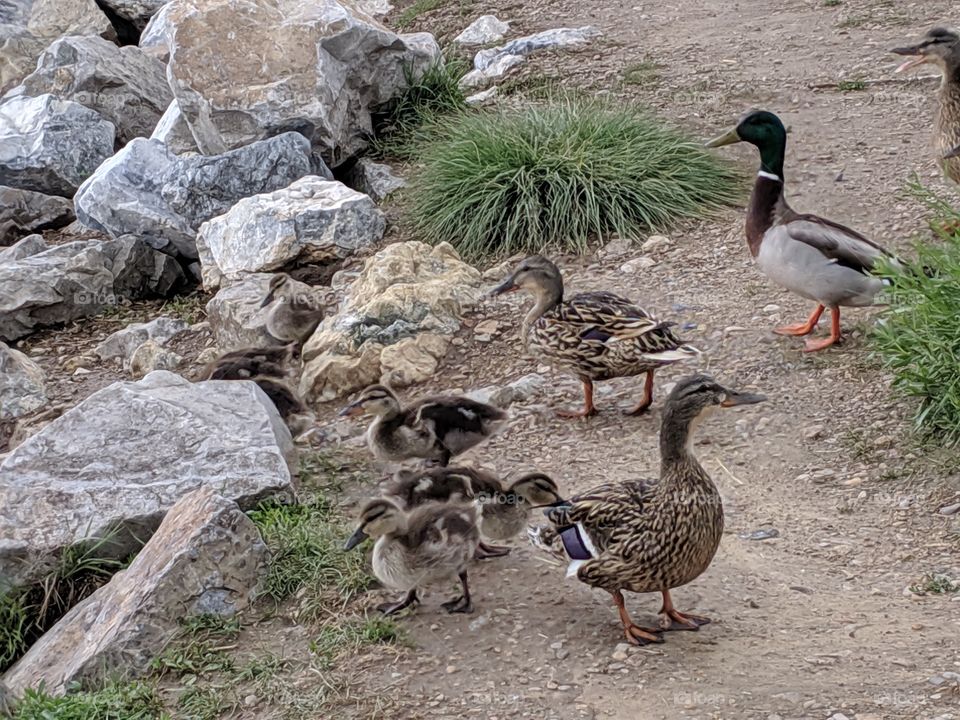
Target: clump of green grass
[(306, 545), (918, 337), (27, 613), (567, 171), (418, 8), (200, 647), (851, 85), (402, 123), (338, 638), (127, 701), (831, 3), (643, 73), (189, 308), (935, 584)]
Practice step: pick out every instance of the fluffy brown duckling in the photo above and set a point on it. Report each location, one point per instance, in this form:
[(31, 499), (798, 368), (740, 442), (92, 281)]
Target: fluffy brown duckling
[(247, 363), (431, 543), (941, 47), (505, 509), (293, 315), (433, 428)]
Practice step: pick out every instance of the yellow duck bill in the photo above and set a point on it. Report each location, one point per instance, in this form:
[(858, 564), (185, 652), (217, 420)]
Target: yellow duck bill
[(730, 137)]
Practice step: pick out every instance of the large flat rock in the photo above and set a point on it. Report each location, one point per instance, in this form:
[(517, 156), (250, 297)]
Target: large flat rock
[(318, 67), (119, 460), (313, 221), (206, 558), (147, 190), (79, 279), (50, 145), (124, 84)]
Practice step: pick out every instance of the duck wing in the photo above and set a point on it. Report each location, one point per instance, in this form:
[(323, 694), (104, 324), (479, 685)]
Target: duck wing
[(601, 517), (836, 242), (604, 319), (416, 488), (446, 414)]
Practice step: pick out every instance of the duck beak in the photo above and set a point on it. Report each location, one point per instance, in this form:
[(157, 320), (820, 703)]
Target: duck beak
[(351, 410), (507, 286), (735, 398), (358, 537), (267, 300), (730, 137), (914, 52)]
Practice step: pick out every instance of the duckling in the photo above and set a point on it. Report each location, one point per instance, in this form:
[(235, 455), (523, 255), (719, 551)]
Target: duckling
[(429, 544), (293, 316), (433, 428), (941, 47), (504, 511), (296, 415), (594, 335), (814, 257), (246, 363), (650, 535)]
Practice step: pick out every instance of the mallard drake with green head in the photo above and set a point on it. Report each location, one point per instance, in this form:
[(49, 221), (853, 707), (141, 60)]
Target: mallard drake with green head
[(430, 544), (814, 257), (432, 428), (650, 535), (941, 47), (594, 335)]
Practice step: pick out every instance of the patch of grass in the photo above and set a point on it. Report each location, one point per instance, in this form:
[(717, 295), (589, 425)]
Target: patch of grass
[(567, 171), (29, 612), (189, 308), (306, 545), (832, 3), (200, 647), (338, 638), (935, 584), (852, 21), (644, 73), (128, 701), (404, 121), (418, 8), (205, 702), (851, 85), (918, 336)]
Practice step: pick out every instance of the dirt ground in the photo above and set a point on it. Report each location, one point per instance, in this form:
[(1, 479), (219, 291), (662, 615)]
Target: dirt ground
[(817, 622)]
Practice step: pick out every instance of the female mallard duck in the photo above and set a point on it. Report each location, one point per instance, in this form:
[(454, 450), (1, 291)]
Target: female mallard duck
[(594, 335), (815, 258), (293, 316), (433, 428), (505, 510), (941, 47), (650, 535), (430, 544)]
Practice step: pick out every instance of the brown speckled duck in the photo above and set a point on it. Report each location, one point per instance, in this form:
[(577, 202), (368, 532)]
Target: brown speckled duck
[(433, 428), (430, 544), (941, 47), (650, 535), (594, 335)]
